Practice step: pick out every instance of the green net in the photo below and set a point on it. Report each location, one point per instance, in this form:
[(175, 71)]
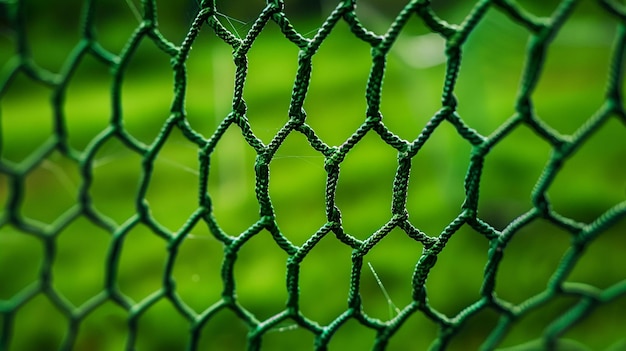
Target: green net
[(183, 244)]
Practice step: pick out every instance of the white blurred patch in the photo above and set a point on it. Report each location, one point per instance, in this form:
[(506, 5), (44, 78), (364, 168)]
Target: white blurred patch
[(417, 51), (421, 51)]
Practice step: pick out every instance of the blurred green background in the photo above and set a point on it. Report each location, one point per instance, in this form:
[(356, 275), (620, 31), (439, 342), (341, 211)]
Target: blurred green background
[(570, 91)]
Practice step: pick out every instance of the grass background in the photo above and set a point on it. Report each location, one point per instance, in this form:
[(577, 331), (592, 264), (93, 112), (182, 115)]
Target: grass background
[(569, 92)]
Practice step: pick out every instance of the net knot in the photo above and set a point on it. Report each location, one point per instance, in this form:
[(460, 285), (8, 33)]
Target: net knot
[(143, 210), (427, 261), (348, 5), (206, 6), (262, 160), (277, 5), (449, 105), (373, 117), (239, 108), (298, 116), (334, 217), (304, 55), (524, 107), (453, 48), (542, 205), (419, 295), (205, 202), (333, 159), (379, 52)]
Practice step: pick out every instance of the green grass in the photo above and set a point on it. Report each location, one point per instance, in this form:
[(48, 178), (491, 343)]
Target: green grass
[(569, 92)]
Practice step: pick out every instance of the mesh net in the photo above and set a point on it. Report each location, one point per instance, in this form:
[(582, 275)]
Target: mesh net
[(125, 224)]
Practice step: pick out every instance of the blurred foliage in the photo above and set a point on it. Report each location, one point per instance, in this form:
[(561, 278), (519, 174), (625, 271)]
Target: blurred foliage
[(570, 91)]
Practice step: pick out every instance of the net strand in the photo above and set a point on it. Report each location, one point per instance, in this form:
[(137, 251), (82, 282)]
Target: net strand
[(542, 31)]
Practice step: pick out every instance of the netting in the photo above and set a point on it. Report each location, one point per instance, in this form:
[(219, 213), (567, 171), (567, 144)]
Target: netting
[(67, 242)]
